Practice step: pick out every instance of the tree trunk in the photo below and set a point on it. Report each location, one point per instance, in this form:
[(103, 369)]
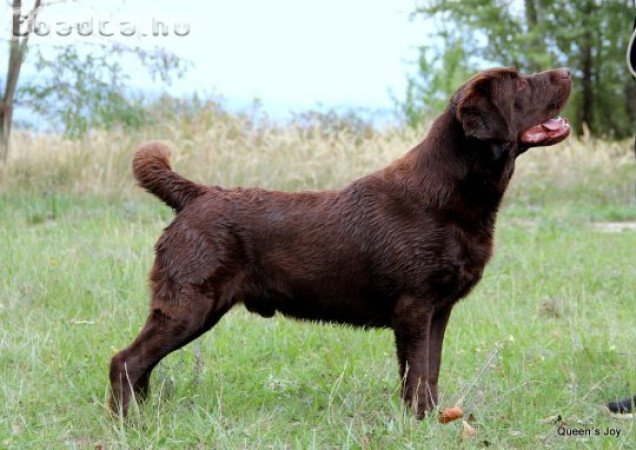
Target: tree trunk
[(587, 95), (587, 88), (587, 92), (536, 45), (5, 130), (16, 56)]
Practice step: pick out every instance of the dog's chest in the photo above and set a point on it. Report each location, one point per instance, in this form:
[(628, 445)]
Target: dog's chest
[(448, 265), (465, 259), (471, 266)]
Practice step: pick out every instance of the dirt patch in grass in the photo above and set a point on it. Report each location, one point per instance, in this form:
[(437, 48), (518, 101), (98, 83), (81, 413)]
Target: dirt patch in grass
[(614, 227)]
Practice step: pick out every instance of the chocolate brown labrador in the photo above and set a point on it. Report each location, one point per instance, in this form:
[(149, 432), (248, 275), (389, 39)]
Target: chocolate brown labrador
[(396, 248)]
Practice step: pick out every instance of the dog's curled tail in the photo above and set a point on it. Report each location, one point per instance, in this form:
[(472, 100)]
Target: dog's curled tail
[(151, 168)]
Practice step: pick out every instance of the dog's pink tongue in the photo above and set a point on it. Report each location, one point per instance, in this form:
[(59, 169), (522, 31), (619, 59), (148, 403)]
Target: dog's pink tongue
[(553, 124)]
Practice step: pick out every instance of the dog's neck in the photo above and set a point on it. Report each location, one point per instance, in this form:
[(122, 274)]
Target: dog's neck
[(459, 174)]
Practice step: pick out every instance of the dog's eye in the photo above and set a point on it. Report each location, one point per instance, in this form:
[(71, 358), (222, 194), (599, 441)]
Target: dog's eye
[(521, 84)]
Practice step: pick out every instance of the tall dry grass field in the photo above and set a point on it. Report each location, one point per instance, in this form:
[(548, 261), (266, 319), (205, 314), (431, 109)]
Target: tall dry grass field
[(232, 151)]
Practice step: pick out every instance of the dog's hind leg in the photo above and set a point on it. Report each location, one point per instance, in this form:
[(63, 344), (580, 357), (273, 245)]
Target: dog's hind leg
[(173, 323)]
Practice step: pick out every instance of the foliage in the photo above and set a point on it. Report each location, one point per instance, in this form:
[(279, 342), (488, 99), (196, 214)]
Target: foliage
[(441, 69), (332, 121), (83, 90), (589, 37)]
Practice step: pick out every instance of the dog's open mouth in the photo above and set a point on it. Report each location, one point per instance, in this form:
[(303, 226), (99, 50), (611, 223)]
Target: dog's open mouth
[(547, 133)]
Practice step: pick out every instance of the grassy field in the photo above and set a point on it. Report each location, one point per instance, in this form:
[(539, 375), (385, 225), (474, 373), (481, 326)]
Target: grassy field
[(548, 332)]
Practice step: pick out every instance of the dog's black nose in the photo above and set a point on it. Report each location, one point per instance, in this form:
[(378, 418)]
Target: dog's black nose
[(563, 72)]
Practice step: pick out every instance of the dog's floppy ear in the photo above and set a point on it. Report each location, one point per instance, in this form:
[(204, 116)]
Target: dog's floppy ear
[(481, 116)]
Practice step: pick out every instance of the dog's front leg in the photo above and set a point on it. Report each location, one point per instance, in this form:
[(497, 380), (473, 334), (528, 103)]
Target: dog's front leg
[(438, 327), (412, 326)]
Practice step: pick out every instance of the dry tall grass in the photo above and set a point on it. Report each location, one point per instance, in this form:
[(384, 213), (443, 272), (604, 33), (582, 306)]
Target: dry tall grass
[(232, 151), (222, 153)]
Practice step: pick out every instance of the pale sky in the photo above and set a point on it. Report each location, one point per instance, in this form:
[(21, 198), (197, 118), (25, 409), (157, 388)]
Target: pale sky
[(291, 54)]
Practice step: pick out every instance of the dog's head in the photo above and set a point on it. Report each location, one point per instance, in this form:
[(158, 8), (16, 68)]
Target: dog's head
[(513, 112)]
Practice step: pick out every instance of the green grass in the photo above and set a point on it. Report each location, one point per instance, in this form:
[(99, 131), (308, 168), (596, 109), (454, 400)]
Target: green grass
[(549, 331), (557, 301)]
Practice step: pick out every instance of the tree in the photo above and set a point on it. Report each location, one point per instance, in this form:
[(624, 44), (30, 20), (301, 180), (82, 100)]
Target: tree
[(589, 37), (440, 69), (17, 49), (84, 90), (77, 88)]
